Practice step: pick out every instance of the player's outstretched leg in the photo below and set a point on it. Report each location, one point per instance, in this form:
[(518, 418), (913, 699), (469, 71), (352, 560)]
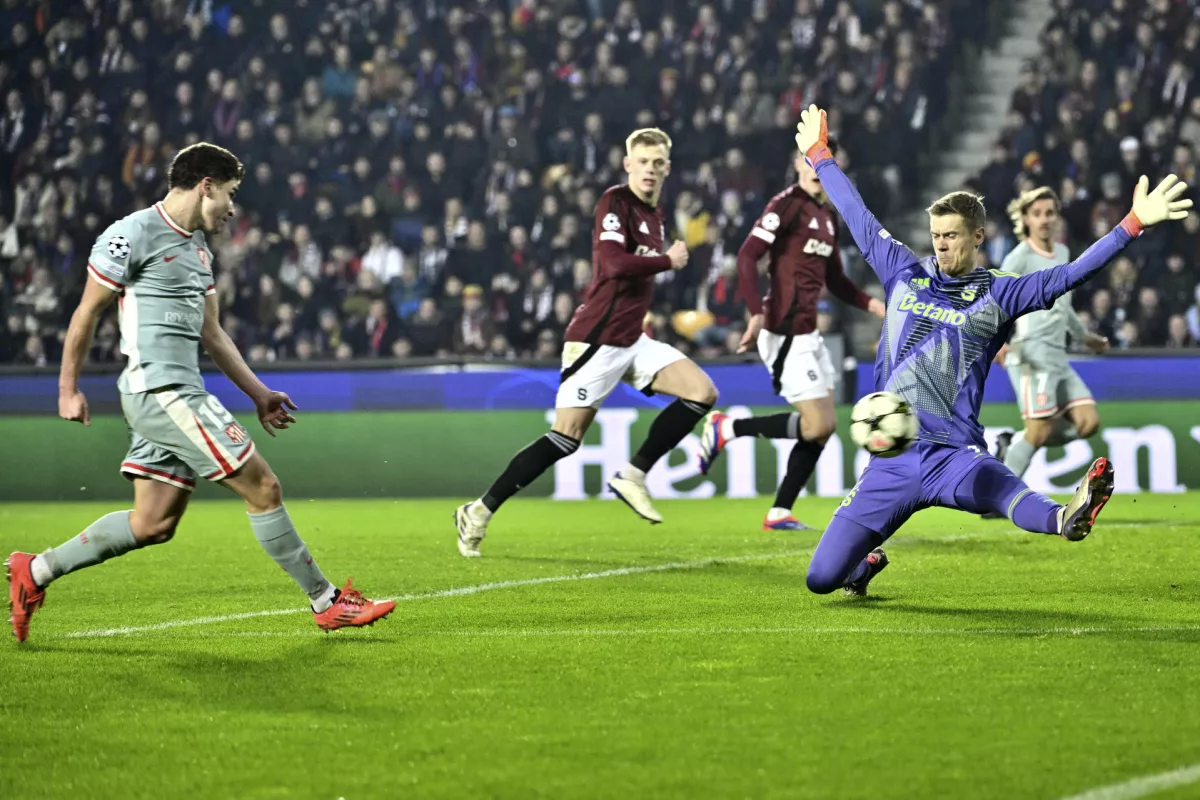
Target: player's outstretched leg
[(157, 509), (847, 557), (332, 608), (1016, 450), (988, 485), (570, 424), (695, 396)]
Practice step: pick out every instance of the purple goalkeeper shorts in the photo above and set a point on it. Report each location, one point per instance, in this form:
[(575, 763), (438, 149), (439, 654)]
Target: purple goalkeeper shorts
[(891, 490)]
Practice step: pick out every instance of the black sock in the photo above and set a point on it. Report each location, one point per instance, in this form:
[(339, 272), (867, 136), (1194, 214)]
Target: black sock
[(527, 465), (776, 426), (801, 464), (668, 429)]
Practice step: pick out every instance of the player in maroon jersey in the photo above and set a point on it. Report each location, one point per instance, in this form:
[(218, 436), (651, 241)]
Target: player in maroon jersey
[(605, 345), (798, 231)]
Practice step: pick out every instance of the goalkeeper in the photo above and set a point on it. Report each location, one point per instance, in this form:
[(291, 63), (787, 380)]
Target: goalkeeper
[(946, 320)]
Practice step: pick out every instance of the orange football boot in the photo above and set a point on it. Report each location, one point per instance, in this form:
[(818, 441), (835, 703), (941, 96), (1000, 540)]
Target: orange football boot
[(24, 596), (351, 610)]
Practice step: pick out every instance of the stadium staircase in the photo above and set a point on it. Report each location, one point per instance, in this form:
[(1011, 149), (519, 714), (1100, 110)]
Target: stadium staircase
[(980, 110), (979, 105)]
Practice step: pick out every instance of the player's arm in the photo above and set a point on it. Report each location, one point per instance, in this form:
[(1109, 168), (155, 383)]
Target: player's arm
[(758, 243), (112, 262), (1075, 327), (1036, 291), (846, 290), (885, 255), (611, 243), (273, 407), (72, 405), (617, 262)]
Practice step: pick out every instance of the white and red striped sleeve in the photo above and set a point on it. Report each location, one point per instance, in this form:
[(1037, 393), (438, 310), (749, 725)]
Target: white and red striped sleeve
[(112, 257)]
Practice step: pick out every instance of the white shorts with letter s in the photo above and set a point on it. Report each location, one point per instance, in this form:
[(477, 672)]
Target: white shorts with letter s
[(592, 372)]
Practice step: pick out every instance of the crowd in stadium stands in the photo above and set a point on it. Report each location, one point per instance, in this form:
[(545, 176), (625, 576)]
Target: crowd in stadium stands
[(421, 174), (1113, 96)]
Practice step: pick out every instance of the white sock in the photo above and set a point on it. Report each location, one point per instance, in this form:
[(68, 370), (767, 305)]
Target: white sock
[(776, 514), (322, 603), (41, 571), (727, 429), (479, 511), (631, 473)]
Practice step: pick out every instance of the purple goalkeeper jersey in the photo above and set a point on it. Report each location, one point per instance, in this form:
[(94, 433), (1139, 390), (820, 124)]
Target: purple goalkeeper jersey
[(941, 332)]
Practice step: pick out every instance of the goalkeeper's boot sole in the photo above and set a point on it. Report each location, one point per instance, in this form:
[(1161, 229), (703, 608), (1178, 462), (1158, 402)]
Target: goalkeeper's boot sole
[(633, 494), (878, 561), (784, 524), (470, 532), (1079, 515), (711, 441)]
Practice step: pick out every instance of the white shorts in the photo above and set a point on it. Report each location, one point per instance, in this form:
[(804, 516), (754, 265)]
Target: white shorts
[(806, 372), (590, 384)]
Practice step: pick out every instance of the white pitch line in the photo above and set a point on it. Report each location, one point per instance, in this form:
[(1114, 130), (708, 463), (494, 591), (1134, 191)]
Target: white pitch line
[(728, 631), (487, 587), (457, 591), (1140, 787)]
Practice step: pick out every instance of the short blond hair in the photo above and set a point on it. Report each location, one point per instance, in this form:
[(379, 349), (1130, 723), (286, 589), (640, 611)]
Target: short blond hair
[(652, 137), (967, 205), (1018, 207)]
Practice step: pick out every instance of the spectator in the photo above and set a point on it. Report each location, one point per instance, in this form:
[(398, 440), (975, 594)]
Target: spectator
[(383, 258), (1178, 335), (1108, 100), (477, 143)]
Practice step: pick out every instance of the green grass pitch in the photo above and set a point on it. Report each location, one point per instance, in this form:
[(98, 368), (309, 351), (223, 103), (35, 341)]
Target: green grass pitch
[(986, 664)]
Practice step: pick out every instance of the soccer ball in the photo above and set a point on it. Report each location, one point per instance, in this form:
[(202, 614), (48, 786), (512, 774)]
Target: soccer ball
[(883, 424)]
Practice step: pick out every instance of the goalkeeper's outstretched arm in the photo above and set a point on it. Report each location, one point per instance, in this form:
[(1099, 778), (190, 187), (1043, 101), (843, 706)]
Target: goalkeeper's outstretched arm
[(885, 255), (1022, 294)]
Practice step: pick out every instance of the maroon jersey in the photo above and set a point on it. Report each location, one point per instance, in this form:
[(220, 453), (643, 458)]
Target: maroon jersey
[(800, 235), (627, 247)]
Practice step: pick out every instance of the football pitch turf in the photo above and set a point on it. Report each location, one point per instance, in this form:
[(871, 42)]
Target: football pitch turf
[(591, 655)]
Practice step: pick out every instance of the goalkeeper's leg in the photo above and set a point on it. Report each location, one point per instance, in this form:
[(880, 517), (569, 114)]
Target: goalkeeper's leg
[(886, 495), (988, 485)]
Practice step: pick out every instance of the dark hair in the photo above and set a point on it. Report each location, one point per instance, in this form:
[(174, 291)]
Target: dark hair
[(203, 160)]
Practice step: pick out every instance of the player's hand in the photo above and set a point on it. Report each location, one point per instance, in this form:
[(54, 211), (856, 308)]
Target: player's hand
[(812, 131), (73, 407), (1001, 355), (273, 411), (753, 329), (678, 254), (877, 308), (1096, 343), (1163, 203)]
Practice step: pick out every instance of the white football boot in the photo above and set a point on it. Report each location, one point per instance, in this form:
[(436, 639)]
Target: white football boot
[(472, 521), (633, 492)]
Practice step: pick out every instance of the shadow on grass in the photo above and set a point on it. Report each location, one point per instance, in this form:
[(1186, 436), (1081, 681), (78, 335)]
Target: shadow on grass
[(1023, 618)]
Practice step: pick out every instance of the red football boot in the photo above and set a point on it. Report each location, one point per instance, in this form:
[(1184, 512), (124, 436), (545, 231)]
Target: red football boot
[(351, 610), (24, 596)]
